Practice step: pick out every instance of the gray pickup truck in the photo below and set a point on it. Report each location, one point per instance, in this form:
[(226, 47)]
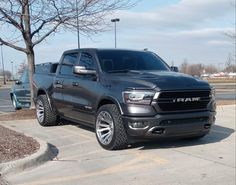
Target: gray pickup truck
[(124, 95)]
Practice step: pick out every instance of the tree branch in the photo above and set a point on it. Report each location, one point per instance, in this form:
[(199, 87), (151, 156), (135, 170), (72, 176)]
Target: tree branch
[(11, 20), (47, 34), (13, 46)]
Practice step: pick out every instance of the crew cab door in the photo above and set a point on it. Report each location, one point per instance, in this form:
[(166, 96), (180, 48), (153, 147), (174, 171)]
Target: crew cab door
[(61, 83), (81, 98)]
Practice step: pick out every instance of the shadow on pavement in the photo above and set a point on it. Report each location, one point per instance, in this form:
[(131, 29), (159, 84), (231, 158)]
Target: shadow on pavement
[(217, 134), (54, 151), (78, 125)]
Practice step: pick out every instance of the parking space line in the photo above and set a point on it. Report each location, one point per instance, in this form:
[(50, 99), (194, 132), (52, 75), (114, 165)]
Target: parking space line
[(82, 155), (121, 167), (5, 100), (6, 106), (76, 133), (74, 144)]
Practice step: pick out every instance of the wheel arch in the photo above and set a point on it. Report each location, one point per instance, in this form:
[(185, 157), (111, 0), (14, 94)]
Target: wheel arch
[(109, 100), (42, 91)]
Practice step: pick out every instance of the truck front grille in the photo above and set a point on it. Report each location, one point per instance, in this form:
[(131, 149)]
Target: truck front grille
[(183, 101)]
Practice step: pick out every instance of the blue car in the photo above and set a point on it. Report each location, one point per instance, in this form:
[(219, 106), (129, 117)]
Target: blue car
[(20, 92)]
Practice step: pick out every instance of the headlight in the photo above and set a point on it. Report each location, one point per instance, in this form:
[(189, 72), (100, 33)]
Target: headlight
[(213, 93), (138, 97)]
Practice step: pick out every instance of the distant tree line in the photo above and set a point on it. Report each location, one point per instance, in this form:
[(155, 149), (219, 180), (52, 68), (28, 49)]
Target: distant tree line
[(8, 74), (199, 69)]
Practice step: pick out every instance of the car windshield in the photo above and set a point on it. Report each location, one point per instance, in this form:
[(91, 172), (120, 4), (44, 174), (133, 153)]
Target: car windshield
[(124, 61)]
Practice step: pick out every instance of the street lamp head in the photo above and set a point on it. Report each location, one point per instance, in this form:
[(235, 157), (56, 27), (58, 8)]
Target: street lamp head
[(115, 20), (1, 43)]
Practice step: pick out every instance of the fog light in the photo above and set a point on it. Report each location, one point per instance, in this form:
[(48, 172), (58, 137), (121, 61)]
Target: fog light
[(137, 124)]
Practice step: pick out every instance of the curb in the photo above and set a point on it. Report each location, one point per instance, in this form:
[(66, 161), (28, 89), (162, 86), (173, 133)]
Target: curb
[(41, 156)]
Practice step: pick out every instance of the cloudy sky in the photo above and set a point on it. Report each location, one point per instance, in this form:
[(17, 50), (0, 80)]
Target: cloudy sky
[(174, 29)]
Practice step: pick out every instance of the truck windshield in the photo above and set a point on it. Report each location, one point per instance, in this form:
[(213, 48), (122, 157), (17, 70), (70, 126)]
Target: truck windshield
[(123, 61)]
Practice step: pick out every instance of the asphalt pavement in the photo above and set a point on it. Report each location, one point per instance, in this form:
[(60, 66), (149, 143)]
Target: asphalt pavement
[(80, 160), (5, 101)]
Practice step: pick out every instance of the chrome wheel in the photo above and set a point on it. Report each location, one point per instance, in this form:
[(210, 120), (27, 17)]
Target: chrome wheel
[(14, 102), (104, 127), (40, 111)]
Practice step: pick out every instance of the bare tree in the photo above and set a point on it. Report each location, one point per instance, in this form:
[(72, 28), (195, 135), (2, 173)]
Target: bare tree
[(191, 69), (184, 67), (232, 34), (195, 69), (229, 65), (210, 69), (32, 21), (8, 74)]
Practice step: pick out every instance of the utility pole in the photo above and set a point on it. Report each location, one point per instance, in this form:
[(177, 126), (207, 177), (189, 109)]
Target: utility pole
[(115, 20), (3, 70), (77, 23), (12, 74)]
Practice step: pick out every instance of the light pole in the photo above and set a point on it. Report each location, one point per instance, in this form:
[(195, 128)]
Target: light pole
[(115, 20), (3, 70), (12, 74), (77, 22)]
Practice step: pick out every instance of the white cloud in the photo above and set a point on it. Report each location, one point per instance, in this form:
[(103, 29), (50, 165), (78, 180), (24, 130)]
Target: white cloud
[(185, 14), (191, 29), (219, 43)]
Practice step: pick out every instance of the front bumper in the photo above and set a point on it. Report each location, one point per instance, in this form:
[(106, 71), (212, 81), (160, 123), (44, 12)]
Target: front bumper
[(170, 125)]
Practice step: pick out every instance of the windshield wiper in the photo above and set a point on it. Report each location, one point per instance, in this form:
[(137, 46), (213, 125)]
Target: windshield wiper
[(119, 71), (123, 71)]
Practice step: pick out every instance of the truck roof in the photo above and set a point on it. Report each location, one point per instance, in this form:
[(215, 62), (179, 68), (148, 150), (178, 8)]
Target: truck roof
[(100, 49)]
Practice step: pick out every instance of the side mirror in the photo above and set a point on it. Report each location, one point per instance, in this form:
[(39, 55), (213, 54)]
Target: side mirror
[(18, 82), (174, 68), (81, 70)]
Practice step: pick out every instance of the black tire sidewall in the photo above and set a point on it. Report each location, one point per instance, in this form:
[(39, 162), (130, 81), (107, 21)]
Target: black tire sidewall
[(115, 115)]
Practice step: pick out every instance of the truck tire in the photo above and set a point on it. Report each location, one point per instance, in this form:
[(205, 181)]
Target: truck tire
[(109, 128), (45, 115)]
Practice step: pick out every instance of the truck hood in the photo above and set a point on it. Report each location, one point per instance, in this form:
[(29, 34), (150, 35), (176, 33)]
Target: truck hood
[(159, 80)]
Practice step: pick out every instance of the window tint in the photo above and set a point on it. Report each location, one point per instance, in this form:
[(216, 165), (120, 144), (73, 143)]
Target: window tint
[(87, 60), (25, 77), (68, 62), (46, 68), (129, 60)]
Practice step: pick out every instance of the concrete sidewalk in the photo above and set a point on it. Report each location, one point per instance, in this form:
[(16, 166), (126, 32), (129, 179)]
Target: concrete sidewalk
[(80, 159)]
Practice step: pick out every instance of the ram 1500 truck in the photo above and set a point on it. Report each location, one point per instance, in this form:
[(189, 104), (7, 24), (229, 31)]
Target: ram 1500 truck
[(125, 95)]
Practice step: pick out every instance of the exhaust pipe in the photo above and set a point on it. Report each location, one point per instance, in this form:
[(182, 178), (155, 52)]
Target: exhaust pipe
[(207, 126), (158, 131)]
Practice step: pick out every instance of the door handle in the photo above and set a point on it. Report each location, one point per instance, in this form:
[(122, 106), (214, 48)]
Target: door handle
[(58, 82), (75, 84)]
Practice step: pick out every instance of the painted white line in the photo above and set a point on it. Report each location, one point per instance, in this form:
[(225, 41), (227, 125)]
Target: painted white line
[(6, 106), (5, 100)]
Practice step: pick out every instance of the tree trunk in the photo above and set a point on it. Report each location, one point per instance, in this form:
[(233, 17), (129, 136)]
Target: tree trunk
[(31, 68)]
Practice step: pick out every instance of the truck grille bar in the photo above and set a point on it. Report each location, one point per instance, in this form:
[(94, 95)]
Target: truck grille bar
[(183, 101)]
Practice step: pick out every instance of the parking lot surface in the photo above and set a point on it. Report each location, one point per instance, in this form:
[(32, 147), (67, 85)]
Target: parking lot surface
[(5, 101), (80, 160)]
